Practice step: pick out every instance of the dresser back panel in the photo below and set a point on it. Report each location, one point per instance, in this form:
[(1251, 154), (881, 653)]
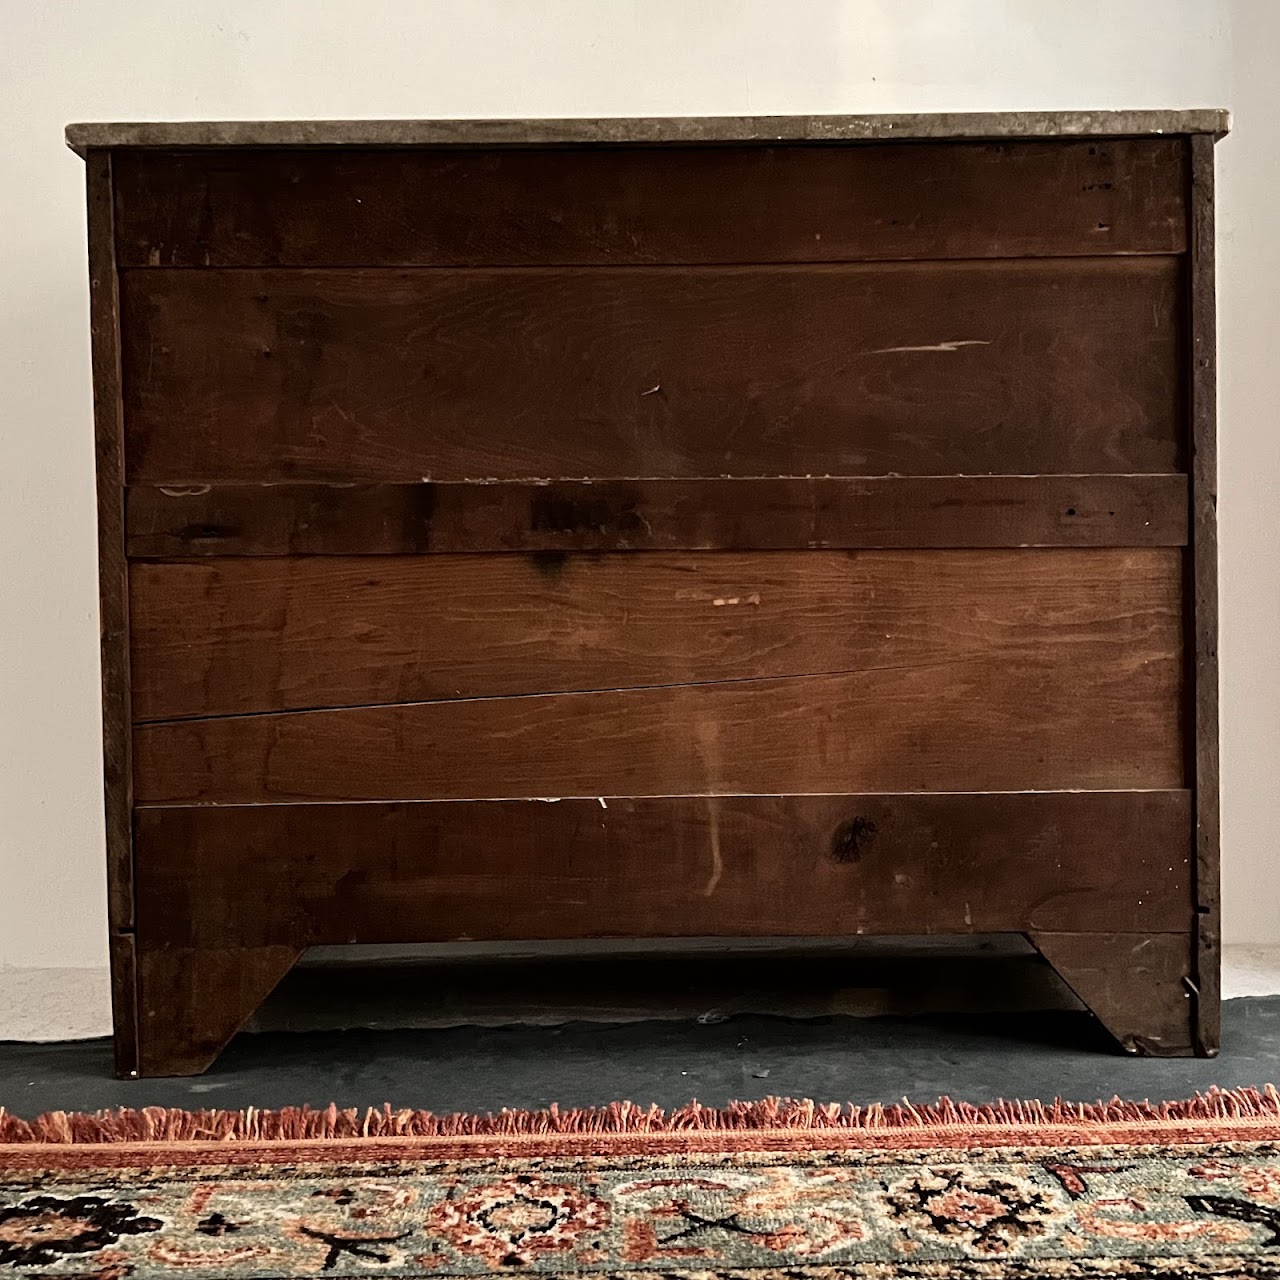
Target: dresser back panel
[(571, 541)]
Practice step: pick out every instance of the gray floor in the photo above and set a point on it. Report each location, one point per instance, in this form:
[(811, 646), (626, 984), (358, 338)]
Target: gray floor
[(675, 1030)]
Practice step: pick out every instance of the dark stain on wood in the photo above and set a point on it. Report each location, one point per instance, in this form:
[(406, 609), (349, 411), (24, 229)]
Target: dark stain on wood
[(852, 838)]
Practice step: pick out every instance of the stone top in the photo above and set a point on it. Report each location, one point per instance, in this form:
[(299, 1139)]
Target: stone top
[(661, 129)]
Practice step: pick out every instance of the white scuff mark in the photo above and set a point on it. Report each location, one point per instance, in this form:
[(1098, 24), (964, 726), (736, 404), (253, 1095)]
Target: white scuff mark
[(721, 601), (191, 491), (653, 390), (954, 345), (968, 915), (602, 803)]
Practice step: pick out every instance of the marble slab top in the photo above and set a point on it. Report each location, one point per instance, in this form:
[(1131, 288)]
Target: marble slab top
[(661, 129)]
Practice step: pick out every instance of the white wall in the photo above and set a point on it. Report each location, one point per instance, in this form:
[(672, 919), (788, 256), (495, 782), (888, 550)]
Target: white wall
[(64, 60)]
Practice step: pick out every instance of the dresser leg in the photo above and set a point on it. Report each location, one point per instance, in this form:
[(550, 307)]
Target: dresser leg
[(1138, 985), (191, 1001)]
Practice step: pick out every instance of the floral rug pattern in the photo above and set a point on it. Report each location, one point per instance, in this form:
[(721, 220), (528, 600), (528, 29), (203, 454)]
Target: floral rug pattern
[(1206, 1209)]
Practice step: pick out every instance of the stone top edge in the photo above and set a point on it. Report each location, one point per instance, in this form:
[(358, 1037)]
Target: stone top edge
[(974, 126)]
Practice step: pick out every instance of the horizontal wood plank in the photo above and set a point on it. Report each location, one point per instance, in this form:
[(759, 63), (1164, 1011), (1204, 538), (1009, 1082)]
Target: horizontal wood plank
[(1027, 367), (1093, 707), (231, 636), (657, 515), (615, 205), (728, 866)]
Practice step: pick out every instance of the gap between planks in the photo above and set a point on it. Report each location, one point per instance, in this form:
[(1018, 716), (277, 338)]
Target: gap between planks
[(562, 693), (1119, 259), (602, 799)]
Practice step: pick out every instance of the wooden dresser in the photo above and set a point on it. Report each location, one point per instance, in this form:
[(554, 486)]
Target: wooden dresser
[(656, 528)]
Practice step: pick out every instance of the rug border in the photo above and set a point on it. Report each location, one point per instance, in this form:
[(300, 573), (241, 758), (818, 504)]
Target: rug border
[(158, 1135), (456, 1147)]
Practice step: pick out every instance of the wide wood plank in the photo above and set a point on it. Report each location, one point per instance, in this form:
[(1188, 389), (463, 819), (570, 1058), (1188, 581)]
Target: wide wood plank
[(614, 205), (1030, 367), (1084, 712), (241, 635), (728, 866), (164, 522)]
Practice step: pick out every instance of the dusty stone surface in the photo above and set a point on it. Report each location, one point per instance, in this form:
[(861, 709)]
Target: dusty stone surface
[(706, 129)]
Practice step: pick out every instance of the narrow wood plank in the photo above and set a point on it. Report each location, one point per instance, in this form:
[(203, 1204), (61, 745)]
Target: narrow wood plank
[(113, 600), (1204, 489), (658, 515), (1094, 707), (1027, 367), (219, 637), (192, 1000), (723, 866), (1137, 983), (615, 205)]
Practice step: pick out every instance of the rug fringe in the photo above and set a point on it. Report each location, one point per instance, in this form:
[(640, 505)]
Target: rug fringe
[(291, 1124)]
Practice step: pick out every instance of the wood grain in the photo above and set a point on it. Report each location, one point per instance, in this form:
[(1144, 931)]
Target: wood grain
[(725, 866), (193, 1000), (1029, 367), (220, 637), (1204, 641), (121, 951), (616, 205), (1136, 983), (1095, 706), (657, 515)]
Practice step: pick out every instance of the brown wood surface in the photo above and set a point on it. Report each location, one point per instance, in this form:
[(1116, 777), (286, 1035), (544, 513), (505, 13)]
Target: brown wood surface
[(1136, 983), (192, 1001), (616, 205), (1027, 367), (1204, 639), (219, 637), (124, 1001), (724, 866), (113, 604), (657, 515), (1097, 704)]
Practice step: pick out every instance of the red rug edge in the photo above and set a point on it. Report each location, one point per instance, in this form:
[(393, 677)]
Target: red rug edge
[(1216, 1109)]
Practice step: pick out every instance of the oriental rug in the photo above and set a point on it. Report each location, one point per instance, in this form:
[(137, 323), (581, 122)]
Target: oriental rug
[(754, 1191)]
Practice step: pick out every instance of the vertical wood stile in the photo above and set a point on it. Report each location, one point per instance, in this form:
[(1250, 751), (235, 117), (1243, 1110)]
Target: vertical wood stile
[(1204, 522), (113, 587)]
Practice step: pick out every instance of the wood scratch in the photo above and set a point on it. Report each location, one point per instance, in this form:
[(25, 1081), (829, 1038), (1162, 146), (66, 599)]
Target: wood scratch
[(954, 345)]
